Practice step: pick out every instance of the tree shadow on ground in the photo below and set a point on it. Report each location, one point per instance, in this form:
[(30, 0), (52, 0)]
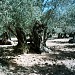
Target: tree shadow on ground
[(44, 70), (63, 55), (52, 70), (70, 46), (6, 51), (68, 55), (60, 42), (39, 69)]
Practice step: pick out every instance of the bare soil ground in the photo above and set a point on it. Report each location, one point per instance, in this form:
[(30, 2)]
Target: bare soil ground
[(58, 60)]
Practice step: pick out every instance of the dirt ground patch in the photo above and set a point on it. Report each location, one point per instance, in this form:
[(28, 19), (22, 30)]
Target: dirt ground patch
[(60, 60)]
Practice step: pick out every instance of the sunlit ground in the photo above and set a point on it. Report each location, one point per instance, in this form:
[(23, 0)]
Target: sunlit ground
[(58, 60)]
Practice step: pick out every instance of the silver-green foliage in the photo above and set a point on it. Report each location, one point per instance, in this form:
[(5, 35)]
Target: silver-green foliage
[(19, 13), (60, 15)]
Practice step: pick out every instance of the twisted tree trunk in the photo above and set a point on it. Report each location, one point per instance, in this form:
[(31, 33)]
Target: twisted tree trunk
[(35, 41), (22, 45)]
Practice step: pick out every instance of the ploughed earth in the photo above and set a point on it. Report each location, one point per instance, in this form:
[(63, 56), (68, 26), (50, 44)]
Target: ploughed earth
[(58, 59)]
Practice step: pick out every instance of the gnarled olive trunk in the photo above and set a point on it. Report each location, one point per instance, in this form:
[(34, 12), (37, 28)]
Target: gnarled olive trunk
[(20, 36), (21, 47), (39, 39), (35, 40)]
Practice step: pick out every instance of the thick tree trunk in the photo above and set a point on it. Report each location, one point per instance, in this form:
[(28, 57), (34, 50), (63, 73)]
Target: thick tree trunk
[(36, 40), (22, 45), (39, 42), (20, 36)]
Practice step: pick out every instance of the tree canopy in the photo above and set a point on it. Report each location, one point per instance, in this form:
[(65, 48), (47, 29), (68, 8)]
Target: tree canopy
[(55, 13)]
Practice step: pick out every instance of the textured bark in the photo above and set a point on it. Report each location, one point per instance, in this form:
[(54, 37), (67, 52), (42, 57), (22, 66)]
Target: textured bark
[(20, 36), (35, 38), (22, 45), (39, 29)]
